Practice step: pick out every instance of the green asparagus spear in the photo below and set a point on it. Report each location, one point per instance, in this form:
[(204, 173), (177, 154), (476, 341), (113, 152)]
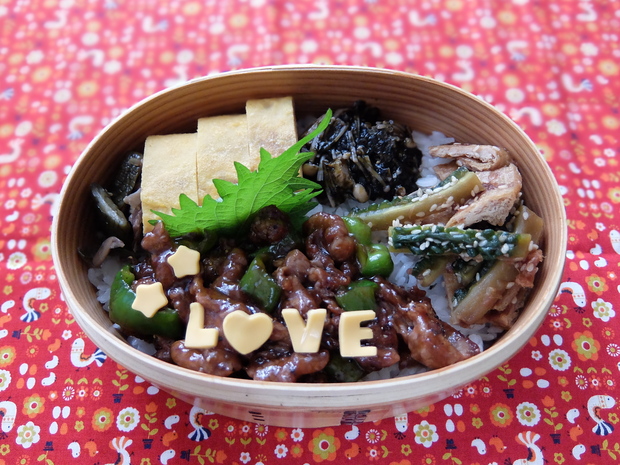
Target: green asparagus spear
[(479, 244)]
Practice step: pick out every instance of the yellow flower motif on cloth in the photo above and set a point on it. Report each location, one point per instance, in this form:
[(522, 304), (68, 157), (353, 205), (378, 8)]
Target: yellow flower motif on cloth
[(603, 310), (7, 355), (16, 260), (42, 250), (33, 405), (296, 450), (127, 419), (27, 435), (586, 346), (559, 360), (597, 284), (102, 419), (528, 414), (324, 445), (500, 415), (425, 434)]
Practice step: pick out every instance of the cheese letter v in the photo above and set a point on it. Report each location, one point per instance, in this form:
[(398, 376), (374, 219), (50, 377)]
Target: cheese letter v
[(305, 336)]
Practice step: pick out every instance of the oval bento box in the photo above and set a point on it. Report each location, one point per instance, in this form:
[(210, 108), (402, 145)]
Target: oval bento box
[(424, 105)]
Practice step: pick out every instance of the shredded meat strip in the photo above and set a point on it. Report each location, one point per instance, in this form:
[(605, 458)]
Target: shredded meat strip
[(431, 342), (160, 246), (279, 363)]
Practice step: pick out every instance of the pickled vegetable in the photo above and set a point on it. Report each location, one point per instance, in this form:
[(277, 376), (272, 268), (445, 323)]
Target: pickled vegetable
[(114, 221), (455, 190), (127, 178), (472, 303)]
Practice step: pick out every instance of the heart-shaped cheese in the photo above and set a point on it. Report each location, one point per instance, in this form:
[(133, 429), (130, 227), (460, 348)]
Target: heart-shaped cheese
[(247, 332)]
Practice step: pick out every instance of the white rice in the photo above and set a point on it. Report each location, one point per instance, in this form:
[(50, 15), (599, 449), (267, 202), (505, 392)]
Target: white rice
[(424, 142), (102, 278)]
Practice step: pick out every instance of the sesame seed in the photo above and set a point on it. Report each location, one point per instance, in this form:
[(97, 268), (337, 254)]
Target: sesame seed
[(505, 249), (420, 214), (426, 272), (509, 285)]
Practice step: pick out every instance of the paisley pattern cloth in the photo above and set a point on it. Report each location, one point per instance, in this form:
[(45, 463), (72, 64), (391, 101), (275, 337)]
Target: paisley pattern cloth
[(68, 67)]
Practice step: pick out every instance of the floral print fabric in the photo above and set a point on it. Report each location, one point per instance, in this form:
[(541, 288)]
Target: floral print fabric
[(69, 67)]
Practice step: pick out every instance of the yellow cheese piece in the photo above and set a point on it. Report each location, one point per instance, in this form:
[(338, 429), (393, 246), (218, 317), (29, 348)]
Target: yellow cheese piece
[(196, 335), (221, 140), (271, 125), (149, 299), (305, 336), (246, 333), (168, 170), (185, 262), (350, 333)]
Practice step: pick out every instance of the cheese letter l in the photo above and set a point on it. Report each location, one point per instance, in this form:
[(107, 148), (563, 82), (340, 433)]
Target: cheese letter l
[(196, 335)]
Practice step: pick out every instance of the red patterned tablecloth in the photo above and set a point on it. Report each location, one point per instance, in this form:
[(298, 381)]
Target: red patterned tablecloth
[(68, 66)]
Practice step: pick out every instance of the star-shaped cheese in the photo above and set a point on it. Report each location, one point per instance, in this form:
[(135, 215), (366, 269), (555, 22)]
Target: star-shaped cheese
[(185, 262), (149, 299)]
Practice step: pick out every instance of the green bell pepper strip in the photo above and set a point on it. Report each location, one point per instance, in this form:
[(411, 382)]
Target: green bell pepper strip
[(258, 283), (374, 259), (342, 370), (166, 322), (359, 295)]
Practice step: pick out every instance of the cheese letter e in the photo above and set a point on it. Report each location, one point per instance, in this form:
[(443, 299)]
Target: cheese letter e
[(196, 335), (351, 333), (305, 336)]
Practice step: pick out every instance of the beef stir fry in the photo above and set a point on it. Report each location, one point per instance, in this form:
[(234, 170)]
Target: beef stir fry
[(311, 272)]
